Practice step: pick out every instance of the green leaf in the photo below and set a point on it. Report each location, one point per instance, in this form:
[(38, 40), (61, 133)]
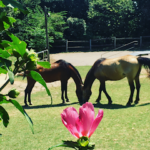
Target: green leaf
[(2, 70), (5, 43), (1, 4), (4, 53), (59, 145), (3, 99), (4, 115), (19, 107), (14, 38), (11, 76), (1, 26), (19, 46), (44, 64), (13, 3), (8, 21), (70, 144), (37, 77)]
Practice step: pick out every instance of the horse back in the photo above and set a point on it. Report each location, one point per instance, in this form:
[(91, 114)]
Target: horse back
[(58, 71), (118, 68)]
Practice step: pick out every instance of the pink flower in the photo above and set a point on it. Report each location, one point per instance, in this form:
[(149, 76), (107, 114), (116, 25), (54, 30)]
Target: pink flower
[(83, 124)]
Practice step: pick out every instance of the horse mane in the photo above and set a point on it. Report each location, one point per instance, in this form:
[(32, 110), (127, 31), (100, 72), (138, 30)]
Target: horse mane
[(76, 72), (65, 64), (90, 75)]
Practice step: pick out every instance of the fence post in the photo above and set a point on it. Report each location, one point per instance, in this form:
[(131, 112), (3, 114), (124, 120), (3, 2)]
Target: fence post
[(90, 45), (47, 38), (66, 45), (140, 42), (114, 42)]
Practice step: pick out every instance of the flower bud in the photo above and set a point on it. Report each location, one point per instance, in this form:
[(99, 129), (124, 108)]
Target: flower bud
[(83, 141), (33, 56), (13, 93)]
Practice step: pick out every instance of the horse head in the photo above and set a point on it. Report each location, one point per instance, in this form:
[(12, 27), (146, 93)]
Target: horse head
[(86, 93), (79, 93)]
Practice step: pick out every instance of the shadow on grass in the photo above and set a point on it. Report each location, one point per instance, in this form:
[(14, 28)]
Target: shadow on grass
[(144, 104), (112, 106), (117, 106), (48, 105)]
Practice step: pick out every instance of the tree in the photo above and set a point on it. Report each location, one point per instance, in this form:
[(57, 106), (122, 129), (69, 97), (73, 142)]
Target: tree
[(110, 18), (76, 30), (143, 16), (17, 48)]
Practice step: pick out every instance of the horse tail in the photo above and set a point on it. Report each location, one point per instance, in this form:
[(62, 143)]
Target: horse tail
[(145, 62), (78, 74)]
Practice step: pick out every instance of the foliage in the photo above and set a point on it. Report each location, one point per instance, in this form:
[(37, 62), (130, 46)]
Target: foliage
[(25, 60), (113, 18), (73, 32), (57, 25), (87, 20), (31, 27)]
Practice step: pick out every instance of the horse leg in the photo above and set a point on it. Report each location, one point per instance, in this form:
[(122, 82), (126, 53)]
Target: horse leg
[(25, 97), (29, 95), (104, 90), (99, 96), (62, 91), (137, 82), (29, 87), (132, 88), (66, 96)]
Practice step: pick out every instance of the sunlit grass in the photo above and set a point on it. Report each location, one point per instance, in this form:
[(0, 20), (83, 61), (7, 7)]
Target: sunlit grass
[(121, 128)]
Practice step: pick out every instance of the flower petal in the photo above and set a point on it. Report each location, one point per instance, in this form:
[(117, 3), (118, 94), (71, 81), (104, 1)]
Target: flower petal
[(96, 122), (69, 117), (86, 117)]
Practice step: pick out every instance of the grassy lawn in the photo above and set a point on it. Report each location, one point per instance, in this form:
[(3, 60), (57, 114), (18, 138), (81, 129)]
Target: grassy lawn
[(122, 128)]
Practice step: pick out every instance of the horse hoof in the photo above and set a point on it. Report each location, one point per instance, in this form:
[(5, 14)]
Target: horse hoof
[(97, 101), (128, 104), (67, 100), (26, 105), (136, 102), (110, 103), (30, 104)]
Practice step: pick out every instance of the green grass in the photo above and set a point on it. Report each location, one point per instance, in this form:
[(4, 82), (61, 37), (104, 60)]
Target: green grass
[(122, 128)]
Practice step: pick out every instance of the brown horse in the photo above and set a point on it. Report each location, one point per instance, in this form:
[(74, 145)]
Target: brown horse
[(115, 69), (60, 70)]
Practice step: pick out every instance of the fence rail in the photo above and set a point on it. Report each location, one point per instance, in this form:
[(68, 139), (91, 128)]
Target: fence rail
[(103, 44), (43, 55)]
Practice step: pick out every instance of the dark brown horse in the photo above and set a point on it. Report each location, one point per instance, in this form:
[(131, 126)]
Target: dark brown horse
[(59, 71), (115, 69)]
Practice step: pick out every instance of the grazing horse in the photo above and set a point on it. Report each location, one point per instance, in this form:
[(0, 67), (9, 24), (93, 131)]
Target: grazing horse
[(60, 70), (115, 69)]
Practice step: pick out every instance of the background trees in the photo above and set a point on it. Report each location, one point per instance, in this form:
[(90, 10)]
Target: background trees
[(81, 19)]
